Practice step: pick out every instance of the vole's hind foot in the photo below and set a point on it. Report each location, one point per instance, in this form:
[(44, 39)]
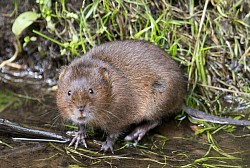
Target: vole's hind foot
[(138, 133), (79, 137), (105, 146), (108, 144)]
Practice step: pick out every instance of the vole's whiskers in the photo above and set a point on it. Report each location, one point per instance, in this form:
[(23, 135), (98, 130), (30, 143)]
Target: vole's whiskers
[(105, 103), (111, 114), (55, 119)]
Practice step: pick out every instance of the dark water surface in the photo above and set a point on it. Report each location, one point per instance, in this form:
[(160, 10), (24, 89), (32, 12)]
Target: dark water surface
[(172, 144)]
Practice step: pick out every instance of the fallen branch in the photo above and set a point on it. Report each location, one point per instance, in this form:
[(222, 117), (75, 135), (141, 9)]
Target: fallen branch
[(15, 129), (6, 62)]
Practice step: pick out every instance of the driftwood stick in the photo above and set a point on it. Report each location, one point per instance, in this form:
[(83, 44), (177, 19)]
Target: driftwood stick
[(15, 129)]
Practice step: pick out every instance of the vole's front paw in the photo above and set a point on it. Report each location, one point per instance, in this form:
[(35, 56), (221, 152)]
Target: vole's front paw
[(79, 137)]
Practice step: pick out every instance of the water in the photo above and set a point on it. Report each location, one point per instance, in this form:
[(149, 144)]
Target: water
[(173, 144)]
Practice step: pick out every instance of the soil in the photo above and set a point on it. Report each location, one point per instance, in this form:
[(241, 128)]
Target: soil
[(38, 62)]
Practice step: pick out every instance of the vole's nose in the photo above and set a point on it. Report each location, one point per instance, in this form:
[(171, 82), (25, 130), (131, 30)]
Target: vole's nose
[(81, 109)]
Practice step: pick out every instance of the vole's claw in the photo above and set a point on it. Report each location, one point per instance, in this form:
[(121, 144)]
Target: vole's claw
[(79, 137), (72, 141), (136, 136), (98, 142), (76, 142), (106, 146), (84, 143), (138, 133), (135, 143)]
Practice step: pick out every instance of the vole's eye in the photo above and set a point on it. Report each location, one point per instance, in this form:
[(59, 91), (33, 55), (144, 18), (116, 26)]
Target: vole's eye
[(91, 91), (69, 93)]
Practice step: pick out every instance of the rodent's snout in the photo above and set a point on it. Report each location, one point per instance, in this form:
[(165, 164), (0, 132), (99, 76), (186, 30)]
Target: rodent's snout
[(81, 108)]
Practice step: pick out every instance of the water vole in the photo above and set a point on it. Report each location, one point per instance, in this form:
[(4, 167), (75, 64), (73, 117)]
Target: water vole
[(118, 84)]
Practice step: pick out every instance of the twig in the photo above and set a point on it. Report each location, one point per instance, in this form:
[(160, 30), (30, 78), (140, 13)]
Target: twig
[(7, 106), (12, 128), (11, 59), (247, 52), (223, 89)]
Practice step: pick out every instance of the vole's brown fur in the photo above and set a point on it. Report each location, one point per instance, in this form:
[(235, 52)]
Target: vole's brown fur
[(120, 83)]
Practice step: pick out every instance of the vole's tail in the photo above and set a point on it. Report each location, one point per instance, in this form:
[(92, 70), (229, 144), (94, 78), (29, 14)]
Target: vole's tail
[(213, 119)]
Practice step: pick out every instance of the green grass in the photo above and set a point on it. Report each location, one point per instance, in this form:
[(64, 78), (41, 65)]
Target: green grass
[(8, 99)]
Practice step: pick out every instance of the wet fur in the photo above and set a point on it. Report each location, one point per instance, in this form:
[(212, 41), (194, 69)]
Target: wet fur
[(133, 81)]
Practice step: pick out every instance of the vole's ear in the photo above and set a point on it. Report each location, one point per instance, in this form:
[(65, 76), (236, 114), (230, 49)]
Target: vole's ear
[(104, 73)]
